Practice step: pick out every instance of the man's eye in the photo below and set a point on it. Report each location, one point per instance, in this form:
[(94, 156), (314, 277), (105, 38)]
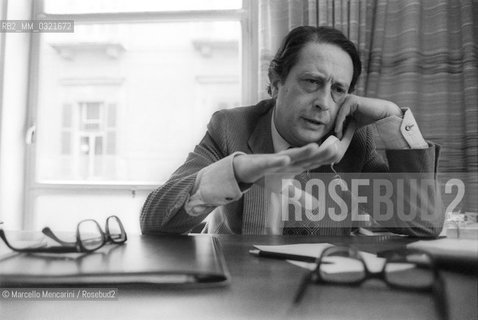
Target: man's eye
[(340, 90), (310, 84), (312, 81), (338, 94)]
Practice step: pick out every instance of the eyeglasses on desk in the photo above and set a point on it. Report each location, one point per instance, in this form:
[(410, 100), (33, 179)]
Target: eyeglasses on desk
[(89, 237), (405, 269)]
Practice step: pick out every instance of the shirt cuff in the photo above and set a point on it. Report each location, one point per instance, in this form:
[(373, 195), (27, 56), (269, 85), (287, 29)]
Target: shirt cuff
[(215, 186), (401, 133)]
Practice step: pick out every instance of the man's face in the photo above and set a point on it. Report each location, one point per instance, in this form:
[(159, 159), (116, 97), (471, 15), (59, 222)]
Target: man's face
[(308, 100)]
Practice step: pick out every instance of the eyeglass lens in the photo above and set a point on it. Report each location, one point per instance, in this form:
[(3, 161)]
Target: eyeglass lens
[(115, 229), (351, 269), (413, 271), (90, 235)]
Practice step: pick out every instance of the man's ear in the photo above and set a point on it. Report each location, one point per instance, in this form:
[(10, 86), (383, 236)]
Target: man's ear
[(275, 81)]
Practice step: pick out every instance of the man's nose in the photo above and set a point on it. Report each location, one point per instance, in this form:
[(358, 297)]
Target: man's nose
[(323, 98)]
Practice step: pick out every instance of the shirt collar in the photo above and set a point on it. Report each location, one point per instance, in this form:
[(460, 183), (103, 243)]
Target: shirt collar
[(279, 143)]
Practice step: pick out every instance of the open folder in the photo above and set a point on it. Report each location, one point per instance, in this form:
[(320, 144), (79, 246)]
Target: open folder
[(141, 260)]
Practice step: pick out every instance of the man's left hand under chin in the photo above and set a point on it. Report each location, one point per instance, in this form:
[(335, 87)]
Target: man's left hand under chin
[(364, 111)]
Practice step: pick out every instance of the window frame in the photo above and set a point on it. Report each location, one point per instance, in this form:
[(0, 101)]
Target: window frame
[(3, 16), (247, 16)]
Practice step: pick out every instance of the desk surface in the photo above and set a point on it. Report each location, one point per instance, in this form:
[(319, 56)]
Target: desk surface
[(263, 289)]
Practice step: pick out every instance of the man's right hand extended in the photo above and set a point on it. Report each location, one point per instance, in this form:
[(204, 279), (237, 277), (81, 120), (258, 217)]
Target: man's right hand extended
[(249, 168)]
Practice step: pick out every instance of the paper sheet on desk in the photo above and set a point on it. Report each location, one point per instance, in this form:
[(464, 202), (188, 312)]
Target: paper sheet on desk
[(340, 265), (450, 250), (302, 249)]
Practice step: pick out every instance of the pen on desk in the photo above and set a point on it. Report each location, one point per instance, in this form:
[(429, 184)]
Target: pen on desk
[(302, 287), (282, 256)]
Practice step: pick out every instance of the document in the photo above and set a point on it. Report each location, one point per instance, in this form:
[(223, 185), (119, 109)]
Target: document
[(312, 250), (450, 250)]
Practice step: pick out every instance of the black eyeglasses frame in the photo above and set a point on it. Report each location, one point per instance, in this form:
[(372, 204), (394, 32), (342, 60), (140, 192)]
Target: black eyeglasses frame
[(77, 246)]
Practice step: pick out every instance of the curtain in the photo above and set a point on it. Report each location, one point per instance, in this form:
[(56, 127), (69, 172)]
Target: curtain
[(423, 54), (418, 53)]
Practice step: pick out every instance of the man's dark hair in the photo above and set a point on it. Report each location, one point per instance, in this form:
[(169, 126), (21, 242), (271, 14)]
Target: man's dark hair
[(288, 53)]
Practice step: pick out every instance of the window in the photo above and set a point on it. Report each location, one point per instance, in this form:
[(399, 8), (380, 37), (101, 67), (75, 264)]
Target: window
[(122, 100), (88, 141)]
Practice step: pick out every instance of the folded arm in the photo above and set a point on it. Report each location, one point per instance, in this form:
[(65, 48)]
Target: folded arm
[(410, 157)]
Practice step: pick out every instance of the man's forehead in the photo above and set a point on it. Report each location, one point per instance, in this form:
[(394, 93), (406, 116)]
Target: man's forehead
[(325, 59)]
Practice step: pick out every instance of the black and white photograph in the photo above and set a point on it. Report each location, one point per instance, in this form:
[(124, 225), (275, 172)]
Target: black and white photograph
[(239, 159)]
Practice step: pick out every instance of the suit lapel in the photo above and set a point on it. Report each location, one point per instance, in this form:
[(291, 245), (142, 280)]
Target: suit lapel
[(256, 203), (260, 140)]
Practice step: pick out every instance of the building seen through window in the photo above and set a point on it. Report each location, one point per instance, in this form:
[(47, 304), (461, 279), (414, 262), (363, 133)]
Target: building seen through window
[(124, 102)]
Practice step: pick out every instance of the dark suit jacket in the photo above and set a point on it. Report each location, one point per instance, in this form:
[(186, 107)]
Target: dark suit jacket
[(248, 129)]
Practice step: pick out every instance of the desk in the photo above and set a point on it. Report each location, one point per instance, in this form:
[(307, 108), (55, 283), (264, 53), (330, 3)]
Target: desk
[(263, 289)]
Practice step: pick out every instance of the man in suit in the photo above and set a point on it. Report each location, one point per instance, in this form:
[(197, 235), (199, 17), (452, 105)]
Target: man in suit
[(312, 78)]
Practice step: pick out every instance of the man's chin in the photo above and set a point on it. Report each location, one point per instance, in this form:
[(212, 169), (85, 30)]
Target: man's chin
[(309, 139), (314, 136)]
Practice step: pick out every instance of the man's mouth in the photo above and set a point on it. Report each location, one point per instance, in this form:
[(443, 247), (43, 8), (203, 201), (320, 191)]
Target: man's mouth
[(313, 122)]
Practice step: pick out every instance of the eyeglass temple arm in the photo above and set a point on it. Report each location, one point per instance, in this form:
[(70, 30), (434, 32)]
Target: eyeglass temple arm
[(41, 247), (4, 238), (303, 287), (57, 249), (439, 291), (47, 231)]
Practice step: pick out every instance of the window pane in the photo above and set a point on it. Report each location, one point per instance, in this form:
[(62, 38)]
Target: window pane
[(85, 145), (99, 145), (154, 85), (89, 6), (110, 142), (92, 111)]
